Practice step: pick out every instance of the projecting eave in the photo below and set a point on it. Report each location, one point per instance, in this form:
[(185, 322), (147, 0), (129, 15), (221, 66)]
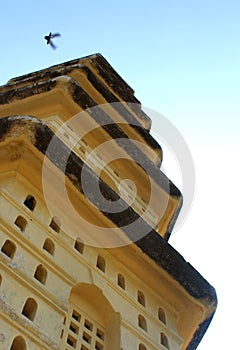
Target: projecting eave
[(95, 61), (99, 73), (40, 135), (64, 90), (89, 82)]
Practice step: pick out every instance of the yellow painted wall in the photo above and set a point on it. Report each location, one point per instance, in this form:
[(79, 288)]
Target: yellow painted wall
[(101, 285)]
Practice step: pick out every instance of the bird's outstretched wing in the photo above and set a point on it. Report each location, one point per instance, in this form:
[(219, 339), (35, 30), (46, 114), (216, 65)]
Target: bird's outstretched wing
[(52, 45), (54, 35)]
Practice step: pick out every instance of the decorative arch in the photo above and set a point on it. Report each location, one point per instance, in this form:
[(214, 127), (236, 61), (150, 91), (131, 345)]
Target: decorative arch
[(121, 281), (91, 320), (164, 340), (9, 248), (30, 202), (30, 309), (55, 224), (101, 263), (162, 315), (79, 246), (18, 343), (142, 347), (49, 246), (142, 323), (141, 298), (21, 223), (41, 274)]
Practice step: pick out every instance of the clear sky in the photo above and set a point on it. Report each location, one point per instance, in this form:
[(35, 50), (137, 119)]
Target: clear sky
[(182, 59)]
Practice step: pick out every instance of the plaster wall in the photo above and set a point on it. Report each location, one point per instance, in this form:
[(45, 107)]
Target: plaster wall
[(66, 269)]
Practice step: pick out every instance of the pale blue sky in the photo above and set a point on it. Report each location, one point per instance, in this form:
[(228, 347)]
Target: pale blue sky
[(182, 59)]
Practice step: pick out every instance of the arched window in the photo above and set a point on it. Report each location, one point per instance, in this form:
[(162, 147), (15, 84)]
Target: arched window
[(41, 274), (79, 246), (161, 315), (18, 344), (101, 264), (21, 222), (164, 340), (91, 322), (55, 224), (121, 281), (30, 202), (30, 309), (9, 248), (141, 298), (142, 323), (49, 246), (142, 347)]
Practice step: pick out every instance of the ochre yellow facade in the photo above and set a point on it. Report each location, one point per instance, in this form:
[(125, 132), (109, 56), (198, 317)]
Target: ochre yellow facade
[(63, 285)]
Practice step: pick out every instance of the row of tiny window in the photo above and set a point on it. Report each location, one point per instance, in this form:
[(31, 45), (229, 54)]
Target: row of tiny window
[(30, 307), (9, 249), (21, 222), (20, 344), (101, 264), (163, 341), (142, 323), (55, 224), (30, 202), (79, 246)]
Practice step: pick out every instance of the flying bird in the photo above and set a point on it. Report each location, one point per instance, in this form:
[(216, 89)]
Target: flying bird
[(50, 37)]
